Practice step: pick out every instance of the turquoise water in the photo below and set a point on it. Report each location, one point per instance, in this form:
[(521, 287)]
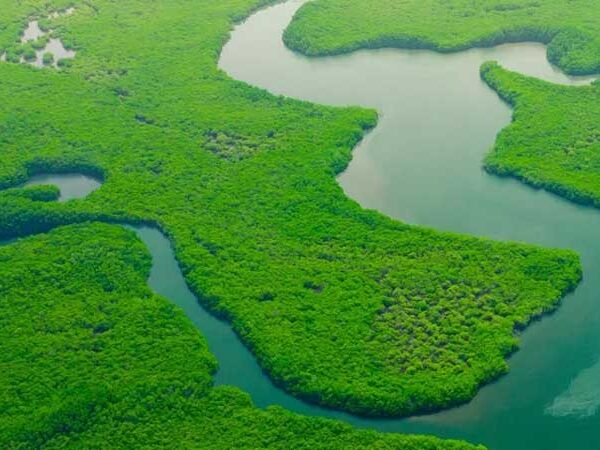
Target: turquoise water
[(422, 165)]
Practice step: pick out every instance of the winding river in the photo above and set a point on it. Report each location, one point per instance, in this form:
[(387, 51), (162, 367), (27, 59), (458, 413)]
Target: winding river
[(422, 165), (437, 121)]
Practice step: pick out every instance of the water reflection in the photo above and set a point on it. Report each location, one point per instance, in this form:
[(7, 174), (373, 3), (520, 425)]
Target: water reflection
[(72, 185)]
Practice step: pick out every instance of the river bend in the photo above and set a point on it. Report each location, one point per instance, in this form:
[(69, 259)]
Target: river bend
[(437, 121), (423, 165)]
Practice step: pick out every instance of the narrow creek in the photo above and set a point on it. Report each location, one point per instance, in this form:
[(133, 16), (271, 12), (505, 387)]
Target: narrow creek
[(237, 366), (422, 165)]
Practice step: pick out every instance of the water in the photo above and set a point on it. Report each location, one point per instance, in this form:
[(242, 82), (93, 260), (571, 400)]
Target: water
[(72, 185), (422, 165), (54, 46), (32, 33), (582, 398), (438, 120), (237, 366)]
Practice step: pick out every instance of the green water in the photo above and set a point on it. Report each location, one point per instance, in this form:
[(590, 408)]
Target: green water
[(422, 165)]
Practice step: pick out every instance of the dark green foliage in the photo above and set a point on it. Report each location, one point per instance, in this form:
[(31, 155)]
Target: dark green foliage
[(29, 52), (40, 43), (337, 26), (554, 140), (92, 359), (48, 58), (35, 193), (407, 319), (64, 63), (234, 147)]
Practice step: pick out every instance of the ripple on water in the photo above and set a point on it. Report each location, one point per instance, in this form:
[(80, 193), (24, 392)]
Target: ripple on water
[(582, 397)]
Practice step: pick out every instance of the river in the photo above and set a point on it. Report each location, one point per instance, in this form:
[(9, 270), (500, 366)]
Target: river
[(437, 121), (422, 165)]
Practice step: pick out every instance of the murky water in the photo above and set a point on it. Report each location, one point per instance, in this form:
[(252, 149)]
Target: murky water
[(422, 165)]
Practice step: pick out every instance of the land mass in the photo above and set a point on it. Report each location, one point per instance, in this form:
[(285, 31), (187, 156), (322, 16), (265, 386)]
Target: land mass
[(341, 306), (92, 358), (325, 27)]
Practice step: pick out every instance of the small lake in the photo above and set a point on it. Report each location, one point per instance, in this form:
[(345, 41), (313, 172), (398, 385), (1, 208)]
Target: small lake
[(72, 185), (422, 165)]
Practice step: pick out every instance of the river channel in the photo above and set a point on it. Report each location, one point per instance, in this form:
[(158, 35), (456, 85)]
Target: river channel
[(423, 165)]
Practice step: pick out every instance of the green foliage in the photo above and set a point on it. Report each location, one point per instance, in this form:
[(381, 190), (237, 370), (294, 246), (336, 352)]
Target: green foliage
[(29, 52), (234, 147), (92, 359), (337, 26), (554, 140), (340, 305), (64, 63), (40, 43), (48, 58)]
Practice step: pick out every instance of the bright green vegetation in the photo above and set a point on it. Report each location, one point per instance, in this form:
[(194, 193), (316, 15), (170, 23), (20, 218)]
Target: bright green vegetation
[(341, 306), (570, 28), (92, 359), (553, 141)]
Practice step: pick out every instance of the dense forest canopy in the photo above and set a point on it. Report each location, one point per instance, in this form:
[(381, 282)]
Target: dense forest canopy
[(570, 28), (341, 306), (92, 359), (553, 141)]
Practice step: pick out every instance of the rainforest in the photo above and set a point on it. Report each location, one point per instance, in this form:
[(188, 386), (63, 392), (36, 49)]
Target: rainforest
[(350, 317)]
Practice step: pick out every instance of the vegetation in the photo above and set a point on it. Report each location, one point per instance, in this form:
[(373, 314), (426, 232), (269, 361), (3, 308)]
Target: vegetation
[(337, 26), (29, 52), (341, 306), (92, 359), (553, 141), (48, 58)]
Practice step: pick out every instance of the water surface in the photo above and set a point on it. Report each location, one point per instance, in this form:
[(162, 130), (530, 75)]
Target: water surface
[(54, 46), (422, 165), (71, 185)]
